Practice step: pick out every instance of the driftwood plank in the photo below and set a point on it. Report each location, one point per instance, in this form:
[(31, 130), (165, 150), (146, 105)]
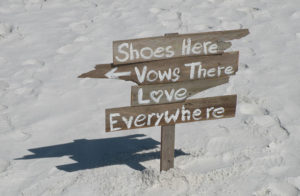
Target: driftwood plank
[(170, 70), (125, 118), (167, 147), (171, 92), (173, 45)]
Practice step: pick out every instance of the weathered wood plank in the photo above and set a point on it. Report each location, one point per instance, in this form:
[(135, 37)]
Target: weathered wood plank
[(171, 92), (125, 118), (167, 147), (170, 70), (171, 34), (173, 45)]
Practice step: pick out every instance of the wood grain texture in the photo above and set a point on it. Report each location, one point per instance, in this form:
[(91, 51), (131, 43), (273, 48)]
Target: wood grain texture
[(125, 118), (219, 38), (167, 93), (171, 34), (167, 147), (169, 65)]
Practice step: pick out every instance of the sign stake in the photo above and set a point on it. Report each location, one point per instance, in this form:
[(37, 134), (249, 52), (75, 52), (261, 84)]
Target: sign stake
[(167, 147), (167, 143)]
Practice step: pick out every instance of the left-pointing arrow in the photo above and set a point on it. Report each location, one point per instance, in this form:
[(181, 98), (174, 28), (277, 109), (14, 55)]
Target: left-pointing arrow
[(109, 71), (170, 70), (113, 75)]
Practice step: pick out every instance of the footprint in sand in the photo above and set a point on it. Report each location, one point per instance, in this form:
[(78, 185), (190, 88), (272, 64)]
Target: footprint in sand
[(31, 67), (66, 49), (29, 87), (169, 18), (79, 27), (276, 133), (272, 124), (249, 51), (250, 109), (3, 85), (264, 121), (295, 15), (73, 47), (4, 164), (269, 162), (277, 188), (2, 61), (33, 62), (3, 107), (82, 39), (5, 29), (27, 83), (18, 135), (5, 124), (218, 145)]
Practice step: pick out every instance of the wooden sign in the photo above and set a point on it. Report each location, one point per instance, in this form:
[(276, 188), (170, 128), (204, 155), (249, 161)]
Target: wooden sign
[(170, 70), (171, 92), (125, 118), (164, 47)]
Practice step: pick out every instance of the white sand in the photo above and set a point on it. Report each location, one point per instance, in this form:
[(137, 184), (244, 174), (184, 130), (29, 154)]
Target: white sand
[(45, 45)]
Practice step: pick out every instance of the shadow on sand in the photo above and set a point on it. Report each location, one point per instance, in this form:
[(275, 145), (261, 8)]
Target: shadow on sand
[(103, 152)]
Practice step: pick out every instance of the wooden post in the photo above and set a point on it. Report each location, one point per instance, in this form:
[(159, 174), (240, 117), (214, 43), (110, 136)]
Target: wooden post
[(167, 148), (167, 140)]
